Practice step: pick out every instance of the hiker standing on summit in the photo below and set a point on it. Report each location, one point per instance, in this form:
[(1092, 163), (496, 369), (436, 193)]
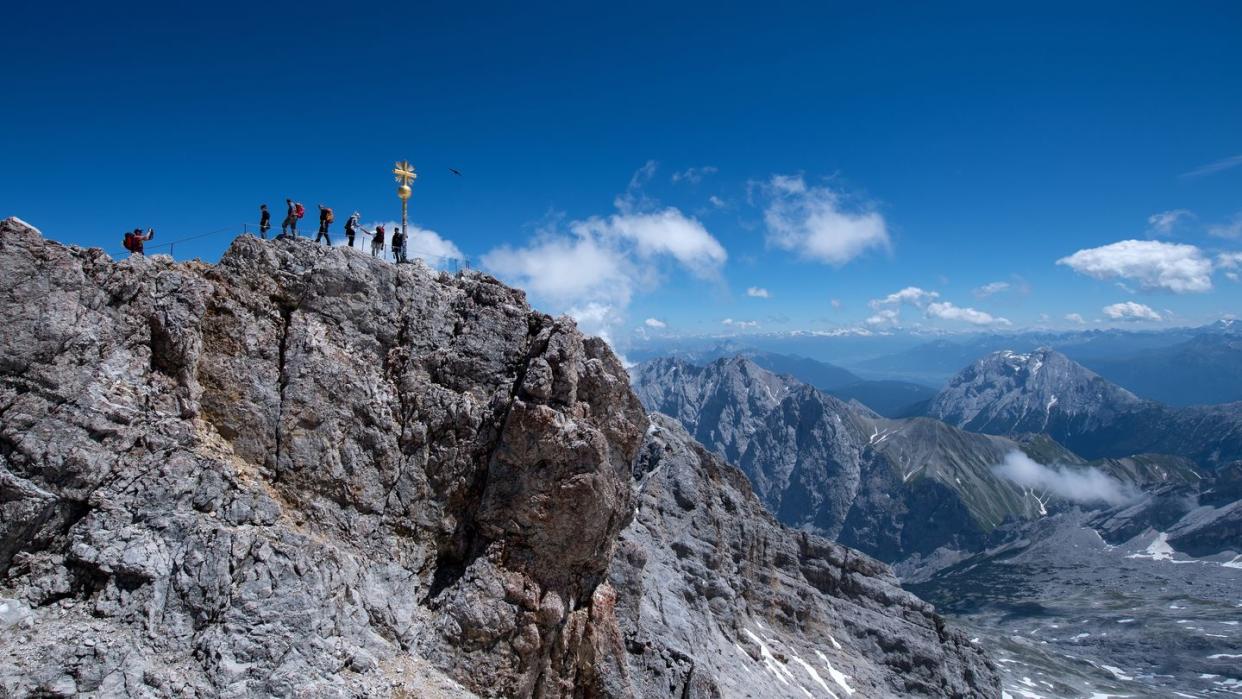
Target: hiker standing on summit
[(351, 228), (290, 224), (398, 244), (377, 242), (325, 219), (134, 241), (265, 221)]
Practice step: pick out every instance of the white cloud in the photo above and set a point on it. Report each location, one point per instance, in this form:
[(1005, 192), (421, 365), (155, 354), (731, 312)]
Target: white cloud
[(990, 289), (1080, 485), (694, 175), (1075, 318), (758, 292), (883, 318), (665, 232), (815, 222), (1130, 310), (1164, 222), (593, 270), (595, 318), (1230, 262), (912, 295), (888, 317), (1215, 167), (655, 323), (1178, 268), (740, 324), (836, 303), (1230, 229), (947, 311), (564, 268), (426, 244), (717, 202)]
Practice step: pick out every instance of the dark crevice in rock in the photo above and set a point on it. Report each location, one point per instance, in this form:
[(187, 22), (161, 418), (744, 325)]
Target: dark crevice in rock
[(41, 530), (286, 318)]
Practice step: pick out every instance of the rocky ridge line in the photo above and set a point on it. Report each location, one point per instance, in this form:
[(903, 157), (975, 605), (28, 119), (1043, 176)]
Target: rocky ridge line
[(304, 471)]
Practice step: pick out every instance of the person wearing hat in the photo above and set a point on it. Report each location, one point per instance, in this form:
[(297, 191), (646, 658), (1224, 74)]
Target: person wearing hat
[(351, 228)]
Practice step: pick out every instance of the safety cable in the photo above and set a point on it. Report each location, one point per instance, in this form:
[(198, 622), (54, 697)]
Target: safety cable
[(410, 253)]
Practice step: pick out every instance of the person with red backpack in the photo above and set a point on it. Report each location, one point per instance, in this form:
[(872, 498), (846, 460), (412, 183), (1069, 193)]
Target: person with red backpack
[(134, 241), (325, 219), (293, 213), (377, 242)]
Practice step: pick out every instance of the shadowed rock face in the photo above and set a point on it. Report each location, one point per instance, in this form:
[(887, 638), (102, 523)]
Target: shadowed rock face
[(717, 599), (306, 472)]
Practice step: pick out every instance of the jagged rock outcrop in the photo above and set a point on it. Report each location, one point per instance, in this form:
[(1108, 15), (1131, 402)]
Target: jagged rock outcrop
[(717, 599), (1007, 393), (306, 472), (301, 471)]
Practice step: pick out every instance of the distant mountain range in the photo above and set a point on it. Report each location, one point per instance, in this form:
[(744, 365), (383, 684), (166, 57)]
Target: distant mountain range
[(1067, 592), (891, 488), (889, 398), (1043, 391), (1205, 369), (1177, 366)]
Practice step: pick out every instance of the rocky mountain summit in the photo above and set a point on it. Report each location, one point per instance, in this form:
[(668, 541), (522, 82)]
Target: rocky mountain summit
[(302, 471), (1037, 391), (1043, 391)]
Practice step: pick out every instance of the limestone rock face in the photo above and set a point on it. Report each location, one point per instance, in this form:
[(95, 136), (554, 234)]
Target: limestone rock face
[(718, 599), (305, 472), (301, 471)]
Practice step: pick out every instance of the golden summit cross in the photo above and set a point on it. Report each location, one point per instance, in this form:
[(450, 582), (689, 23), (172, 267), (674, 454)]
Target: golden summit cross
[(404, 172)]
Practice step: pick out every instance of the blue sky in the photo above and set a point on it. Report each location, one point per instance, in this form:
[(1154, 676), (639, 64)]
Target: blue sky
[(652, 162)]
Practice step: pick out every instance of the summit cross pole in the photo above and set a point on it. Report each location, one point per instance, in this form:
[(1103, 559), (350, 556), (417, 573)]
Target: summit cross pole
[(405, 175)]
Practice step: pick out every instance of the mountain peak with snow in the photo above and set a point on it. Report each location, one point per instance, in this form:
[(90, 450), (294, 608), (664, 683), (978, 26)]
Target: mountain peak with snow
[(1007, 392)]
